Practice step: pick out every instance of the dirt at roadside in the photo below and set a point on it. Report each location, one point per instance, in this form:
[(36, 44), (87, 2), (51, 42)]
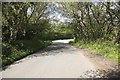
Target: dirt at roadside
[(104, 65)]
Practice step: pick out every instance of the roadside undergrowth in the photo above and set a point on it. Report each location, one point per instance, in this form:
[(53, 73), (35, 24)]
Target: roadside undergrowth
[(106, 48), (20, 49)]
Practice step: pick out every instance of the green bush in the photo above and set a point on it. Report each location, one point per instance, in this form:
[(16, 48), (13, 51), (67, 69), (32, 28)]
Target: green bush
[(20, 49), (6, 49)]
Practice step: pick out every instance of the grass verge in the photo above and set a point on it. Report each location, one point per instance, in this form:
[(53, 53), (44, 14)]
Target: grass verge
[(20, 49), (105, 48)]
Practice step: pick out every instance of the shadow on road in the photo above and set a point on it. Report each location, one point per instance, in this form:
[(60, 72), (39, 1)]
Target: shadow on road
[(53, 49), (57, 47)]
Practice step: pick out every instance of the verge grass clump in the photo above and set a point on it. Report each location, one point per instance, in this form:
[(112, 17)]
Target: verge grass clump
[(106, 48)]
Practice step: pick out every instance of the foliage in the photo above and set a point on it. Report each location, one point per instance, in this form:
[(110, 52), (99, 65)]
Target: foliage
[(60, 31), (26, 22), (19, 31), (96, 26), (16, 29), (105, 48), (95, 20), (20, 49)]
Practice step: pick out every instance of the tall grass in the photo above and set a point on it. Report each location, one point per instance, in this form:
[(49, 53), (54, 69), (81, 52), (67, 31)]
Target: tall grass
[(106, 48)]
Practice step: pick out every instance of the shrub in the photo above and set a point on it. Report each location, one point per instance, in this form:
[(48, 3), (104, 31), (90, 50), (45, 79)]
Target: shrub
[(20, 49)]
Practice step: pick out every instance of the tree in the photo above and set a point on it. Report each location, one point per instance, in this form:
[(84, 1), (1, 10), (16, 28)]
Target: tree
[(95, 20), (16, 19)]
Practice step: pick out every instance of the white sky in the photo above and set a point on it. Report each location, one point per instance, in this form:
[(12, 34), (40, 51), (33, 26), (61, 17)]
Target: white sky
[(54, 13)]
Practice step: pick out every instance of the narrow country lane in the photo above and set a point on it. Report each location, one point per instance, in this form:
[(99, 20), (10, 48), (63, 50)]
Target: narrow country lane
[(59, 60)]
